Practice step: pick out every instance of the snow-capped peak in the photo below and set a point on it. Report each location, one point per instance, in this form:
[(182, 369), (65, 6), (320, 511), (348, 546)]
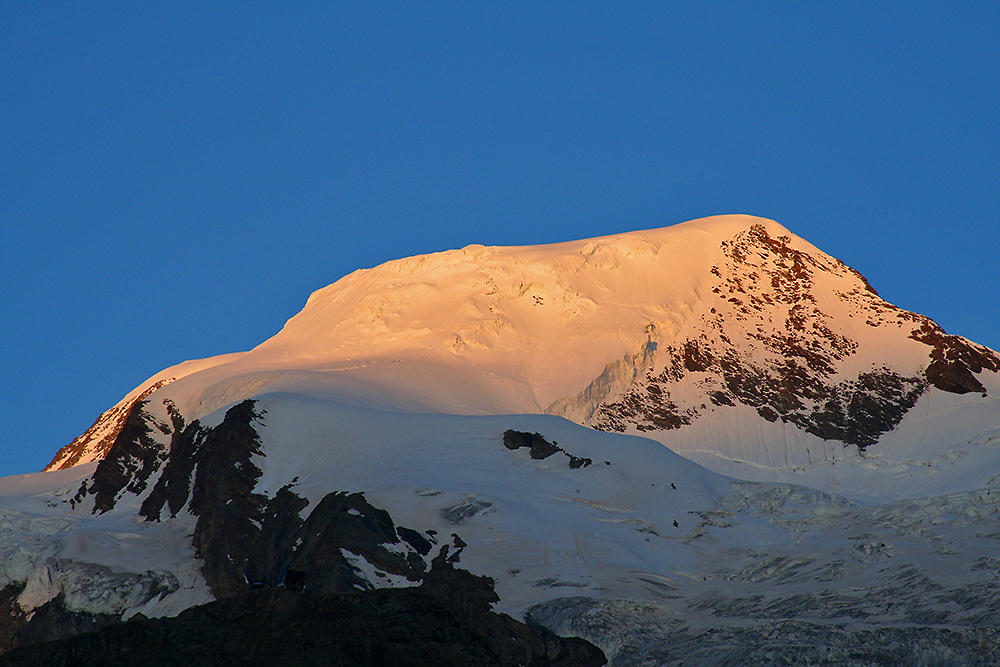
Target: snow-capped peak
[(726, 338)]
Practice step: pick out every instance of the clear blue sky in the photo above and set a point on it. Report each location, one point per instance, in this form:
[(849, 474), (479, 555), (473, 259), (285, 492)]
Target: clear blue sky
[(175, 178)]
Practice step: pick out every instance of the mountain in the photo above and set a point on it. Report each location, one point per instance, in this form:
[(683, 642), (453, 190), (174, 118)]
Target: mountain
[(727, 339), (705, 444)]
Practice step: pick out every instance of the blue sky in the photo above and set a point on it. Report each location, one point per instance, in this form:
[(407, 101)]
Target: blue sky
[(175, 178)]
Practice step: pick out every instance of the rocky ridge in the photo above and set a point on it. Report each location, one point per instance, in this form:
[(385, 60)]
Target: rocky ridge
[(777, 351), (96, 441)]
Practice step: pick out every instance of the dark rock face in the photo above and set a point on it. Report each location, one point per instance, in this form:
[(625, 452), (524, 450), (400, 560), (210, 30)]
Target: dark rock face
[(133, 457), (470, 597), (858, 411), (281, 525), (647, 405), (341, 522), (954, 359), (222, 498), (855, 412), (174, 485), (221, 495), (540, 448), (787, 372), (245, 537)]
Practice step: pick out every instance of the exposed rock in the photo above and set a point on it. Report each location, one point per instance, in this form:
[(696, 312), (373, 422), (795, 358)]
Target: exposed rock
[(97, 440), (469, 507), (647, 406), (242, 536), (857, 412), (954, 359), (347, 522), (415, 540), (540, 448), (229, 513), (174, 484), (467, 594), (221, 495), (130, 462), (280, 530), (470, 597), (790, 376), (246, 538)]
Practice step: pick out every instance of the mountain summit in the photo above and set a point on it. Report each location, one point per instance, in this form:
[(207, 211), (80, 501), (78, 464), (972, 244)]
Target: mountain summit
[(728, 339)]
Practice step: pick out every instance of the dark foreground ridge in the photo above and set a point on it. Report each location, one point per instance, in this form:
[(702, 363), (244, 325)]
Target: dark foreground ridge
[(414, 627)]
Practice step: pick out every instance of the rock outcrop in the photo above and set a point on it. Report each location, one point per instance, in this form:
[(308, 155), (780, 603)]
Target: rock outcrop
[(789, 368)]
